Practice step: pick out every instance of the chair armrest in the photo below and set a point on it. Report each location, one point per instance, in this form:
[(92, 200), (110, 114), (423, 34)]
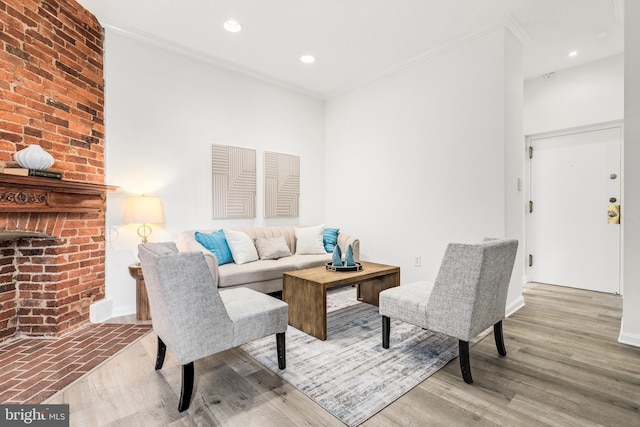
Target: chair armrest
[(188, 243), (345, 240)]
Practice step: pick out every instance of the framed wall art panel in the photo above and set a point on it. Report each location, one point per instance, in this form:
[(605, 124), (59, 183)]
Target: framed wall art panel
[(233, 182), (281, 185)]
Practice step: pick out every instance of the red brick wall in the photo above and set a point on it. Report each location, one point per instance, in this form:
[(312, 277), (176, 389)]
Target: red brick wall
[(51, 94), (51, 85)]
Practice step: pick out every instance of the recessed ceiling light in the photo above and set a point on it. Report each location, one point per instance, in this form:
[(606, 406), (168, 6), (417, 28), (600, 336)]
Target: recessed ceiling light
[(232, 26), (307, 59), (572, 53)]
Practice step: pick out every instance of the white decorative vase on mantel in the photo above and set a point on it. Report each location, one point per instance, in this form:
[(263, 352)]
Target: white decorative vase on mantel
[(34, 157)]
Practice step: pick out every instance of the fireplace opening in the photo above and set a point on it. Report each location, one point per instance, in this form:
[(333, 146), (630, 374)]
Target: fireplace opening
[(47, 283)]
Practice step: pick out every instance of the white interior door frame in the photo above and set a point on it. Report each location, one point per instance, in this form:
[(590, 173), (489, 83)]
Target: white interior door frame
[(587, 128)]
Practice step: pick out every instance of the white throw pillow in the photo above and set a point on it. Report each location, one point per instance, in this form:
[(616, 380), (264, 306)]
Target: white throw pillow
[(309, 240), (241, 246), (272, 247)]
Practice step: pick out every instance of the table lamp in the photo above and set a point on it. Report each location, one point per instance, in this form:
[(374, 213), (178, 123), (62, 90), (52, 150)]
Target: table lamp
[(143, 210)]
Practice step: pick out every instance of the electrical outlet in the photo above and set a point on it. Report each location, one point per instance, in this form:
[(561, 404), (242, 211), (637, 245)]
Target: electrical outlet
[(417, 260)]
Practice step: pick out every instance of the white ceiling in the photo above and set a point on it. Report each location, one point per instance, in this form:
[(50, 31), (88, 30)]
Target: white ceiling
[(356, 41)]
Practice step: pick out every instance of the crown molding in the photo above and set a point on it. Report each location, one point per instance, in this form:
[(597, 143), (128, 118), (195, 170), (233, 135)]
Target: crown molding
[(518, 32), (181, 50), (509, 24)]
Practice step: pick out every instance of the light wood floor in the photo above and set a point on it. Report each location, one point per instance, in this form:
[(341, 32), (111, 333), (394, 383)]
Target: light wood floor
[(564, 367)]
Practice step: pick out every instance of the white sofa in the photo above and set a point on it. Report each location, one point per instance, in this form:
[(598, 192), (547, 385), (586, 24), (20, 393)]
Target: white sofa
[(262, 275)]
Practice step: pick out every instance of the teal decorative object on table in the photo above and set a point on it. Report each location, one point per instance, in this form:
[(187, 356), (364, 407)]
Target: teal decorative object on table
[(330, 238), (336, 257), (348, 258)]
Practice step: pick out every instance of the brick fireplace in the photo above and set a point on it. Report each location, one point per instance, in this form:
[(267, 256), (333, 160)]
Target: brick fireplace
[(51, 231), (51, 254)]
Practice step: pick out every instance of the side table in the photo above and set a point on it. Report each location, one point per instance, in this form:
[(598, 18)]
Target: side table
[(142, 302)]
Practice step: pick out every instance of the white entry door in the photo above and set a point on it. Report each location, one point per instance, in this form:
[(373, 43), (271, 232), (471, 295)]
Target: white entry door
[(574, 189)]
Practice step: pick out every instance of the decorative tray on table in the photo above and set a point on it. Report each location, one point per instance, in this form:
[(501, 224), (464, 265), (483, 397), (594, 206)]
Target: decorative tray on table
[(331, 267)]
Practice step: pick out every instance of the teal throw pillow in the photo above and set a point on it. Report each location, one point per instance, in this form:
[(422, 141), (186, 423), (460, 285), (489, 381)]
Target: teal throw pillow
[(216, 242), (330, 238)]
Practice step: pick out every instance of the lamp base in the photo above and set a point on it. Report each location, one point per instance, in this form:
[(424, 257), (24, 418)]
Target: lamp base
[(144, 231)]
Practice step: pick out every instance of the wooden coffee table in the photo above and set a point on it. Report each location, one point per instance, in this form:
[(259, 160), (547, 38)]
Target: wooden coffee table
[(306, 292)]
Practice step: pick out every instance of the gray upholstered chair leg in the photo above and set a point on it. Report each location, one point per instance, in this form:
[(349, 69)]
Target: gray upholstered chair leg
[(465, 366), (187, 376), (497, 334), (187, 386), (281, 350), (162, 350), (386, 331)]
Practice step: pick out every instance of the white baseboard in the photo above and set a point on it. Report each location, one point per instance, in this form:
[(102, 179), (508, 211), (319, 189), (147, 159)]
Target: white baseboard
[(514, 306), (101, 311), (123, 311), (627, 338)]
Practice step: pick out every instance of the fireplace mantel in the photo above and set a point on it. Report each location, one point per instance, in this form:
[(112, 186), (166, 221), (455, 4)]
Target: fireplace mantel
[(36, 194)]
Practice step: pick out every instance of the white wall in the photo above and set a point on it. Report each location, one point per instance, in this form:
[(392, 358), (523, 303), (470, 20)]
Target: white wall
[(416, 159), (630, 331), (163, 112), (514, 163), (579, 96)]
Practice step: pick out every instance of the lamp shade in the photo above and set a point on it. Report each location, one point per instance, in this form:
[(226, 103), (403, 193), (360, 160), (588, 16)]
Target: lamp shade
[(143, 210)]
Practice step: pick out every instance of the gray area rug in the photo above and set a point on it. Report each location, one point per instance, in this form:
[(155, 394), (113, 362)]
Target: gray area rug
[(350, 374)]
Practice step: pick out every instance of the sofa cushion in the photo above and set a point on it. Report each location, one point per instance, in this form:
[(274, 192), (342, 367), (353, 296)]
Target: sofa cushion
[(308, 261), (272, 247), (309, 240), (238, 274), (216, 242), (241, 246), (268, 269)]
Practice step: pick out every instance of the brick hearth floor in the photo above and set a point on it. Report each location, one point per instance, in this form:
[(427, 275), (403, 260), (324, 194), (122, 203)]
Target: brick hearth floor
[(34, 369)]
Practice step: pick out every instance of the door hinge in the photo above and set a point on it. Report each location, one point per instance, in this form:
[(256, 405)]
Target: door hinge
[(530, 260), (530, 206), (530, 152)]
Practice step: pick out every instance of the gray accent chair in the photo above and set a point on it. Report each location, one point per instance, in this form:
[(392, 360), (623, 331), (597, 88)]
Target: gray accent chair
[(194, 319), (468, 296)]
